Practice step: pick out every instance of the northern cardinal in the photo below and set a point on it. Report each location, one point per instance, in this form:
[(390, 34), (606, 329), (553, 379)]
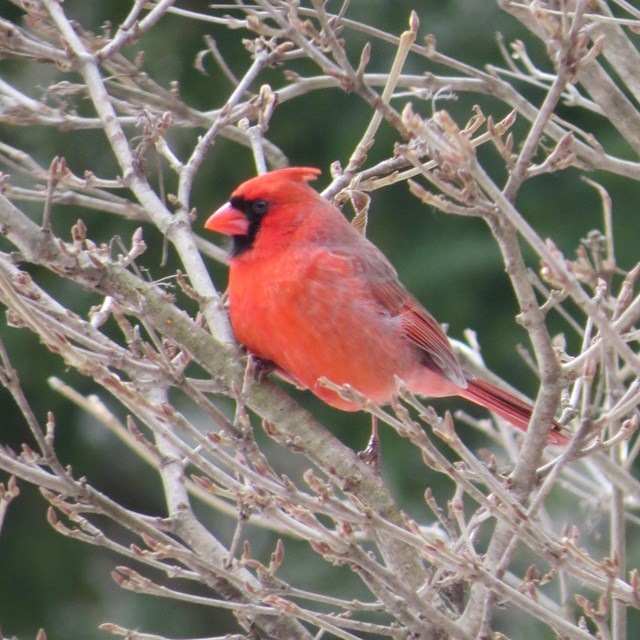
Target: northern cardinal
[(313, 296)]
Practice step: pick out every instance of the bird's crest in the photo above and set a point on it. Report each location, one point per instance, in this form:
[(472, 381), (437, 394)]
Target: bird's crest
[(297, 174), (273, 182)]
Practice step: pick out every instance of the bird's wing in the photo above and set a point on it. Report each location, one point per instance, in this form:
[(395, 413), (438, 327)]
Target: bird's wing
[(422, 329), (419, 326)]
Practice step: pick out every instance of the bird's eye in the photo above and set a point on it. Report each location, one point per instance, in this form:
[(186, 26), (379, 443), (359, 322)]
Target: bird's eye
[(259, 207)]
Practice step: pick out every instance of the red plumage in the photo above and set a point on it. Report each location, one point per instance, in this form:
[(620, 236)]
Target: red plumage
[(315, 297)]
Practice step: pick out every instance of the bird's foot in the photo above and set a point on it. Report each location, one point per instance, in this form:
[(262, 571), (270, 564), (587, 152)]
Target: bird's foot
[(262, 368), (371, 453)]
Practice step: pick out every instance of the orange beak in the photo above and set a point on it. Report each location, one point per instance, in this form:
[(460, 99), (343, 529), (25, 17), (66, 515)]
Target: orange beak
[(228, 220)]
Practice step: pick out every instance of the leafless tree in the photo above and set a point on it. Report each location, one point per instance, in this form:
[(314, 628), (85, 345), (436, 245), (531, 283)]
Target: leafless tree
[(448, 574)]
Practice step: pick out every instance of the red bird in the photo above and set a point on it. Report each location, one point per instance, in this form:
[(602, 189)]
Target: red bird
[(312, 295)]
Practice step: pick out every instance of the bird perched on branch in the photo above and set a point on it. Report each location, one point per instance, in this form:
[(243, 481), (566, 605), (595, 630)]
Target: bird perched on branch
[(313, 296)]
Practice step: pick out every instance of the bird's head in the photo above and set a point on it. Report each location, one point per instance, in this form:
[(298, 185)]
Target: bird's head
[(257, 198)]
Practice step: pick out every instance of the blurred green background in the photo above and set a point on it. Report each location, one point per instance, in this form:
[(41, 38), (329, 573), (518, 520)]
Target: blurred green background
[(449, 263)]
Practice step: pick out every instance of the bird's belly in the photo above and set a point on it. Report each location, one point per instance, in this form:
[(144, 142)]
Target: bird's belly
[(317, 331)]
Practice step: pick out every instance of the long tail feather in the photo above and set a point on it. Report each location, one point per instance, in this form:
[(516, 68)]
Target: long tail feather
[(507, 406)]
